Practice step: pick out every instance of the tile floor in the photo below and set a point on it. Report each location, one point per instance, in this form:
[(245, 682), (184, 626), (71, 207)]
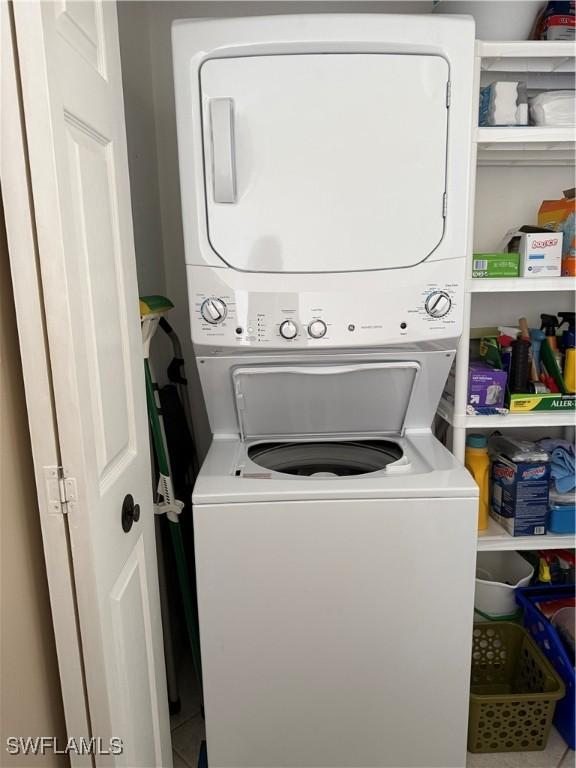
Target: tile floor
[(188, 725), (188, 731), (556, 755)]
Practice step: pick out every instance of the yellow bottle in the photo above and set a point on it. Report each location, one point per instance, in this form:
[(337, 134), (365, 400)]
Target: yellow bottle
[(477, 462), (570, 370)]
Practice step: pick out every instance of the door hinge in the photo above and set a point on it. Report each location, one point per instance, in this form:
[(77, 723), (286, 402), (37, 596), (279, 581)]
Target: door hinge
[(448, 93), (61, 491), (444, 205)]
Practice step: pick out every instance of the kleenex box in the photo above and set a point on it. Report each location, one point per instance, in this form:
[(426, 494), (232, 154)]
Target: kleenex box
[(540, 254)]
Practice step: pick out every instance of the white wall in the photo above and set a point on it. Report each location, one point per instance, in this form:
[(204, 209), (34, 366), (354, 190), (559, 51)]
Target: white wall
[(30, 697), (510, 196), (153, 153), (142, 155)]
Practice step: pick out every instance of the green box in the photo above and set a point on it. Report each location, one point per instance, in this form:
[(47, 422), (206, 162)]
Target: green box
[(555, 403), (495, 265)]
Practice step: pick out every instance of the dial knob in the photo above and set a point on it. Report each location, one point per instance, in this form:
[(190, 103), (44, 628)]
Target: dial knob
[(288, 329), (438, 304), (317, 329), (213, 310)]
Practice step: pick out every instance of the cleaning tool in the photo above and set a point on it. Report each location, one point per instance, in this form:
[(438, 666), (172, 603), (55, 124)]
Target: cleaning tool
[(477, 462), (152, 308), (176, 375), (570, 370), (569, 335), (525, 334), (562, 463), (568, 346), (549, 361), (520, 366), (549, 324), (520, 362), (536, 338)]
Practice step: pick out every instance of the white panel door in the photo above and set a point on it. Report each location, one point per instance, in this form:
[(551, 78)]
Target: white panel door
[(72, 97), (336, 633), (326, 162)]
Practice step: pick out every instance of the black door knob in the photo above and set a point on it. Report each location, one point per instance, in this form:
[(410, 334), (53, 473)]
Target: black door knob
[(130, 512)]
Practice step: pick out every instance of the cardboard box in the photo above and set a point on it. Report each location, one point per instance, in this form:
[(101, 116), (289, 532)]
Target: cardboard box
[(486, 386), (495, 265), (520, 495), (555, 403), (540, 254)]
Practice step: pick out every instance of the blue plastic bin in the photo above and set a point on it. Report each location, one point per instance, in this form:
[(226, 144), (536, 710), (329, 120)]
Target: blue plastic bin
[(549, 642), (562, 519)]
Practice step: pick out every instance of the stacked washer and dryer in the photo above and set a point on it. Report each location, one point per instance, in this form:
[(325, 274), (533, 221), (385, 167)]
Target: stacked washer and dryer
[(325, 181)]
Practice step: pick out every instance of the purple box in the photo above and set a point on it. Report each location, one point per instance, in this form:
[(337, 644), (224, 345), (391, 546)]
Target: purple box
[(486, 386)]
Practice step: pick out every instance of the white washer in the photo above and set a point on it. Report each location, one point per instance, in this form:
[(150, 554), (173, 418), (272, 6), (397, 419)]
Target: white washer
[(324, 165)]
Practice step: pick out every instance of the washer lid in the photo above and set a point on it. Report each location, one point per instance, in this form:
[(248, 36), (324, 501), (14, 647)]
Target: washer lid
[(355, 398)]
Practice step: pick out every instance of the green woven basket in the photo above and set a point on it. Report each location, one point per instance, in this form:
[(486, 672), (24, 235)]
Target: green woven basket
[(513, 691)]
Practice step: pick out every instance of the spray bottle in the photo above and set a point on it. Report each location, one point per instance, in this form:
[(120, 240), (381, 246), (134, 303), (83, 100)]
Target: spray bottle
[(569, 335), (568, 345), (549, 326), (520, 365), (536, 337)]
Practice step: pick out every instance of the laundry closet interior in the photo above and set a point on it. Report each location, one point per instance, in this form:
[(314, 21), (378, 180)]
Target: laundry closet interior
[(243, 586), (509, 187)]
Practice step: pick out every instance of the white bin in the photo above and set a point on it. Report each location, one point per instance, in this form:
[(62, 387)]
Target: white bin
[(498, 574)]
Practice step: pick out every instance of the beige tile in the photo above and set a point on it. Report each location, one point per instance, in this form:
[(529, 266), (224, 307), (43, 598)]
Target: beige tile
[(189, 692), (186, 739), (179, 762), (569, 759), (549, 758)]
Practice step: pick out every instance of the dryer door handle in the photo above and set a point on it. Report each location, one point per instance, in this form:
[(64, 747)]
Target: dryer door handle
[(223, 159)]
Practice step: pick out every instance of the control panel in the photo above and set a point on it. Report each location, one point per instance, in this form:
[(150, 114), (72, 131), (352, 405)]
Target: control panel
[(228, 316)]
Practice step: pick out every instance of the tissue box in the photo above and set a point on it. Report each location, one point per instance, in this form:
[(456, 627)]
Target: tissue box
[(540, 254), (486, 386)]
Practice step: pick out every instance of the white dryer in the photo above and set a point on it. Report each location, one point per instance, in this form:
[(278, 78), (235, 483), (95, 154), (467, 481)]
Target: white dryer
[(324, 164)]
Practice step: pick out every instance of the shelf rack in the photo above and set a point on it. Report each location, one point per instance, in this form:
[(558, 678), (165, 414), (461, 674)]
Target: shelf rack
[(526, 56), (496, 538), (521, 285), (507, 420), (542, 65)]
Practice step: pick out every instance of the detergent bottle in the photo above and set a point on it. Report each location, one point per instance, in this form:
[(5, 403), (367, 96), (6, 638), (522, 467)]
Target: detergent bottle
[(477, 462)]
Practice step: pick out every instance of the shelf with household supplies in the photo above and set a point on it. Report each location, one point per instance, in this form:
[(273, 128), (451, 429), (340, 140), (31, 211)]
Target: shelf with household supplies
[(510, 165), (539, 66)]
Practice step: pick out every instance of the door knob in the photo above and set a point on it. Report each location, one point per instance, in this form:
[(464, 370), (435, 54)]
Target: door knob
[(130, 512)]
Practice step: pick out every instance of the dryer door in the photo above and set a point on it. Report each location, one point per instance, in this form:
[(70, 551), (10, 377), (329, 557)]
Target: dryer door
[(324, 162)]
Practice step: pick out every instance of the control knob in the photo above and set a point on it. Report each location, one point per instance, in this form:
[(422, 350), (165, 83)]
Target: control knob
[(288, 329), (317, 329), (438, 304), (213, 310)]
